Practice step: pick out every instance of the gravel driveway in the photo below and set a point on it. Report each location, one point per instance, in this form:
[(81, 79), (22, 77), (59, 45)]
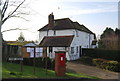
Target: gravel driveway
[(91, 70)]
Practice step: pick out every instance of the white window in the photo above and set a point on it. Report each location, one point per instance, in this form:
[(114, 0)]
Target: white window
[(54, 32), (77, 49), (73, 32), (72, 50), (77, 33), (39, 52)]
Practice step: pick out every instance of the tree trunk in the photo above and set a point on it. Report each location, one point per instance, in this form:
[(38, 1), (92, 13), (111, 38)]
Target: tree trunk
[(0, 46)]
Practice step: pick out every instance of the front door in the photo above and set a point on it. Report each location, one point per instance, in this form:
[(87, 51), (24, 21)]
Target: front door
[(80, 51), (50, 51)]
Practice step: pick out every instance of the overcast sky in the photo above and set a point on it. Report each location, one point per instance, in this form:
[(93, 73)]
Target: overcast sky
[(96, 15)]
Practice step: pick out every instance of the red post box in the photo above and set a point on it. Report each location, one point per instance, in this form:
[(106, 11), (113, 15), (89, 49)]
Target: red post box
[(60, 61)]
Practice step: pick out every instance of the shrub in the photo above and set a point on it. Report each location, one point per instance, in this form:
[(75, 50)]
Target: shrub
[(108, 65), (39, 62), (50, 63), (100, 63), (112, 65)]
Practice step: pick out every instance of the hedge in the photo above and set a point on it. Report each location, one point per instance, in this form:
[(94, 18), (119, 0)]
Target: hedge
[(87, 60), (39, 62), (102, 53), (107, 65)]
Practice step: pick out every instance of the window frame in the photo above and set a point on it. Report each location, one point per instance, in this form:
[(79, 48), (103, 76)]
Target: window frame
[(77, 35), (77, 51), (72, 50), (54, 32)]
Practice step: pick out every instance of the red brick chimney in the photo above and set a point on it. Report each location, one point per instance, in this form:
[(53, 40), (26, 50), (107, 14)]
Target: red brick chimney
[(51, 21)]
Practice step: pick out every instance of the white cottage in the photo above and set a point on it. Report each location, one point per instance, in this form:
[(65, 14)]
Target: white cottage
[(66, 35)]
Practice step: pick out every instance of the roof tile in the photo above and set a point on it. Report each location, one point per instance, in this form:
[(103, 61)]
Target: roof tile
[(66, 23), (56, 41)]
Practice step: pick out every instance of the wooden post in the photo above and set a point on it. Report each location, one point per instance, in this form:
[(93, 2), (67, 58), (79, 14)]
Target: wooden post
[(46, 61), (21, 61), (34, 60), (21, 64), (10, 57)]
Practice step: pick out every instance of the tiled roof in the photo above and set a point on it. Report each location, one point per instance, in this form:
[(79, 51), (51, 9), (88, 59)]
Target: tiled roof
[(66, 23), (56, 41)]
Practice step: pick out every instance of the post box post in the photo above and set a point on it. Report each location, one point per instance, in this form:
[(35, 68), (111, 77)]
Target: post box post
[(60, 66)]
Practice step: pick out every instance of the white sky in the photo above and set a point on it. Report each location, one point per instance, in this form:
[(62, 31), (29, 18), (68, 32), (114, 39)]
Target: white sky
[(95, 15)]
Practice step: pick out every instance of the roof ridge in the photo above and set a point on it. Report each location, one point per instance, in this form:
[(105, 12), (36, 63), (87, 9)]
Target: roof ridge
[(61, 19), (61, 36), (67, 23)]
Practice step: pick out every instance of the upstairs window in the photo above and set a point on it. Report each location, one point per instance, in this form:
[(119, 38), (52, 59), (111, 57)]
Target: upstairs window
[(54, 33), (77, 33)]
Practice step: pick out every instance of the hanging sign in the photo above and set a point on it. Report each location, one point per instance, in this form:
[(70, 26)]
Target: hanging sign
[(15, 58)]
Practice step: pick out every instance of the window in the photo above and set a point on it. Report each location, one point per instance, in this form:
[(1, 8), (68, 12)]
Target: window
[(77, 49), (86, 36), (50, 49), (54, 33), (72, 50), (73, 32), (77, 33)]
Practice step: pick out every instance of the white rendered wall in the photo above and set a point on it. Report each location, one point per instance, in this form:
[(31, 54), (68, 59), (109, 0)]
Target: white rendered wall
[(58, 33), (81, 38), (42, 34)]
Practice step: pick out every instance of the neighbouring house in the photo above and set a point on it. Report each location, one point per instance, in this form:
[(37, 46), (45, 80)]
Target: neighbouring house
[(66, 35), (17, 49)]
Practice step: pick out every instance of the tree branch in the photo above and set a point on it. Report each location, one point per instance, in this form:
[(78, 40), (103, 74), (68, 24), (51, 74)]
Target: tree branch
[(21, 13), (13, 29), (13, 12), (19, 17), (5, 6)]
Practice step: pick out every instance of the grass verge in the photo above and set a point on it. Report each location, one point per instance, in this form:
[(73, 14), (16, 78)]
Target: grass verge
[(10, 70)]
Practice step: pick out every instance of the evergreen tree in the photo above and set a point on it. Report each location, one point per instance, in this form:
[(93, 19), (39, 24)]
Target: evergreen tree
[(21, 38), (117, 31), (107, 32)]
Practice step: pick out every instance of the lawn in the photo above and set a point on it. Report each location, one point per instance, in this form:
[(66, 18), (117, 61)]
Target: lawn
[(8, 68)]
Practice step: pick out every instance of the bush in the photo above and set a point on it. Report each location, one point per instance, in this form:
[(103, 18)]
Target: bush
[(50, 63), (100, 63), (108, 65), (112, 65), (39, 62)]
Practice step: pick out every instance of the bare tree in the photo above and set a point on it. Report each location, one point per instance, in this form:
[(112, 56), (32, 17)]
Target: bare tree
[(0, 46), (4, 16)]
